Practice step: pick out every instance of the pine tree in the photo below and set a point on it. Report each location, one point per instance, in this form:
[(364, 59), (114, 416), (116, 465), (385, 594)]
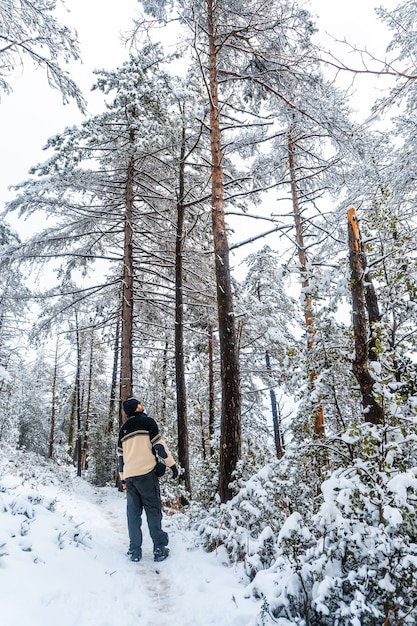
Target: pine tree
[(29, 30)]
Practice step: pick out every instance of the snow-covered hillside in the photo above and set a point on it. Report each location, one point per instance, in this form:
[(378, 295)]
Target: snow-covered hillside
[(63, 559)]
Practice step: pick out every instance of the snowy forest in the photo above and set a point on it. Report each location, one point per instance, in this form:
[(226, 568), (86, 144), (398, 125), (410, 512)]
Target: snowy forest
[(284, 384)]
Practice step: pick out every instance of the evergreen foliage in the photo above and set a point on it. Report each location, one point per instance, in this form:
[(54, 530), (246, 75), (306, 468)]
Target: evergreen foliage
[(30, 31)]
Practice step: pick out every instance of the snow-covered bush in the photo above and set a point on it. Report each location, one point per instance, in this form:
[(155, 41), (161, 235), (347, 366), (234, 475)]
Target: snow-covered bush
[(248, 525), (354, 562), (26, 505)]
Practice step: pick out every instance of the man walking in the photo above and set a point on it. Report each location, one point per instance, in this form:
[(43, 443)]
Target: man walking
[(138, 439)]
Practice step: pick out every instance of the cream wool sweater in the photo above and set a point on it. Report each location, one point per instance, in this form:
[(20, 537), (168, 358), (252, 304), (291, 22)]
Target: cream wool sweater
[(134, 449)]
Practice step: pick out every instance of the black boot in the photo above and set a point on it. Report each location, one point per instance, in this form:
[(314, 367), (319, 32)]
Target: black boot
[(160, 553)]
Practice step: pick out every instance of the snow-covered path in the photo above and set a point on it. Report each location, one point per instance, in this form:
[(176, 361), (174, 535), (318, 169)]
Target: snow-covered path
[(64, 562)]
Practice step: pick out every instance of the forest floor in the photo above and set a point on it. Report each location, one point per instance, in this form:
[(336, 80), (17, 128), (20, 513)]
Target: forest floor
[(63, 560)]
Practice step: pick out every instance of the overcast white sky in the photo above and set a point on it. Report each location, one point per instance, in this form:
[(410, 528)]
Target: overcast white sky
[(34, 112)]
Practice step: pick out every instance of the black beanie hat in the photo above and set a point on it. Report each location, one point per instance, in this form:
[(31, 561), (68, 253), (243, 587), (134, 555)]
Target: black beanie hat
[(130, 405)]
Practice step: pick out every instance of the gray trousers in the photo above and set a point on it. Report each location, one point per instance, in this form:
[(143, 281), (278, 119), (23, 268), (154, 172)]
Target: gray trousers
[(143, 493)]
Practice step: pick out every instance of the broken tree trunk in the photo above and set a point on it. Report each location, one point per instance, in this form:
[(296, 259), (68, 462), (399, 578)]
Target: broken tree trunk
[(364, 313)]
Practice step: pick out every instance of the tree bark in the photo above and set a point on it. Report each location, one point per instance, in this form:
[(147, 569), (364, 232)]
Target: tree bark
[(230, 436), (278, 438), (78, 395), (211, 388), (88, 404), (72, 421), (113, 388), (360, 312), (126, 359), (182, 422), (318, 409), (53, 408), (164, 382)]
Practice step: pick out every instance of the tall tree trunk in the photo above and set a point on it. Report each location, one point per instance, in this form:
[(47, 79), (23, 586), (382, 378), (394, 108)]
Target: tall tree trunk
[(360, 313), (183, 445), (211, 387), (318, 410), (53, 408), (278, 437), (164, 382), (110, 461), (230, 436), (88, 403), (113, 387), (203, 435), (78, 395), (126, 360), (72, 421)]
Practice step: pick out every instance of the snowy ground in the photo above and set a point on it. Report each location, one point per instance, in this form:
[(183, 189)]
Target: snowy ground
[(63, 559)]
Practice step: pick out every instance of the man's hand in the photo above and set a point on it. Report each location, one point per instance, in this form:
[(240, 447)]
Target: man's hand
[(123, 485), (174, 470)]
